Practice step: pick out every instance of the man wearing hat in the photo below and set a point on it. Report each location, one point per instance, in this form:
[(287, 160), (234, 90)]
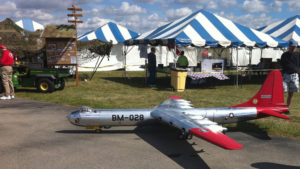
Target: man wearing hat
[(290, 62), (6, 62)]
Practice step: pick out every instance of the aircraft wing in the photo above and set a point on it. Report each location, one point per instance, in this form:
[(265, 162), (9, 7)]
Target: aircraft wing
[(197, 126)]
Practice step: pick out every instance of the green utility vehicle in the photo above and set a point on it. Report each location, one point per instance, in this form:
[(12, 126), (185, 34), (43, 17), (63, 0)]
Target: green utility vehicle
[(45, 79)]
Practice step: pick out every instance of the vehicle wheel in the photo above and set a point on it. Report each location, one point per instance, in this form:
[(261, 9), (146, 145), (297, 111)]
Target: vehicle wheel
[(45, 85), (62, 84)]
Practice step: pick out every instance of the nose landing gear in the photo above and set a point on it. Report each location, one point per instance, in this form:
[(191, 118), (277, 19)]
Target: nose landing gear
[(97, 129)]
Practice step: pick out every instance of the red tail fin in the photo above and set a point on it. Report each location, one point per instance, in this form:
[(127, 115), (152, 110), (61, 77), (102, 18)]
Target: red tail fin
[(270, 94)]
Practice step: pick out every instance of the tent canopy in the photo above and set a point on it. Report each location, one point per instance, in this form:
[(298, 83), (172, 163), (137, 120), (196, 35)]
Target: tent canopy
[(203, 28), (29, 25), (109, 32), (287, 29)]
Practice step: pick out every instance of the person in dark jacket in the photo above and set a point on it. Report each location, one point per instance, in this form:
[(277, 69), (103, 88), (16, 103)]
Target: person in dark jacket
[(152, 67), (6, 62), (290, 62)]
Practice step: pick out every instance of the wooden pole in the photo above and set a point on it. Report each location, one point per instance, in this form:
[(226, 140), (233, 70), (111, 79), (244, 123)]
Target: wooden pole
[(75, 21)]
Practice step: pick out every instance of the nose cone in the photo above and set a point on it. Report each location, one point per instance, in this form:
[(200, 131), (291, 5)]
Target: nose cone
[(74, 118)]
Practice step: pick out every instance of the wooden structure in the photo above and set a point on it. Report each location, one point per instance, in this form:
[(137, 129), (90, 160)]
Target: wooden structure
[(60, 45), (75, 20), (18, 39)]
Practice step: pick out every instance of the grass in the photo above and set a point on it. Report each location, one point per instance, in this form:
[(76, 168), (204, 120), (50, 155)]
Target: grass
[(111, 90)]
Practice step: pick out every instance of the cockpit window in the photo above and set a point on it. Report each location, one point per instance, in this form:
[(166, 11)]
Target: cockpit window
[(85, 109)]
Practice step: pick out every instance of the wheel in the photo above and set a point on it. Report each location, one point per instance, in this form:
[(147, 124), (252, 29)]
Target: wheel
[(98, 130), (181, 137), (189, 136), (45, 85), (62, 84), (107, 127)]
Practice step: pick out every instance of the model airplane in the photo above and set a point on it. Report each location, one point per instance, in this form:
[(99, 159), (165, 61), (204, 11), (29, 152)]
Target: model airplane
[(200, 122)]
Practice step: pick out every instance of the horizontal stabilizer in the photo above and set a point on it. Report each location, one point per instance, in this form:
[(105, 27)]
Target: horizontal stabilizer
[(275, 114), (218, 138), (174, 97)]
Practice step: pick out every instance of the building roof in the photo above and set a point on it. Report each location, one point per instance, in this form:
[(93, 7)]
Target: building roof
[(59, 31)]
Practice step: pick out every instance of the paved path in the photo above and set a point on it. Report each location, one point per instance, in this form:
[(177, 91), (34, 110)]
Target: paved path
[(37, 135)]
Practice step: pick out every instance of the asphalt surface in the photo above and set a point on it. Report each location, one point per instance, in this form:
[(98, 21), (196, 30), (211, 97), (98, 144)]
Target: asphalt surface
[(37, 135)]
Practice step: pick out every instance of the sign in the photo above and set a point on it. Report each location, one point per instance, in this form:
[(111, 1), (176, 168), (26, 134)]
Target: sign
[(61, 52), (212, 65)]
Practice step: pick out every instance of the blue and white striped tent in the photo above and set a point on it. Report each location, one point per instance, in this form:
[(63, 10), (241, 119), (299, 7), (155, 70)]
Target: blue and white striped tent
[(29, 25), (287, 29), (109, 32), (203, 28)]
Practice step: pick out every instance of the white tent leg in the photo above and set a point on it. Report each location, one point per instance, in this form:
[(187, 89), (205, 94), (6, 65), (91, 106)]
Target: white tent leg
[(124, 53), (175, 54), (250, 62), (97, 66), (237, 63), (261, 53), (167, 57)]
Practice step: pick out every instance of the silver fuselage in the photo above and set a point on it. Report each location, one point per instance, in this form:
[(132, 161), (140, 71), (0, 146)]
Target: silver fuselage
[(131, 117)]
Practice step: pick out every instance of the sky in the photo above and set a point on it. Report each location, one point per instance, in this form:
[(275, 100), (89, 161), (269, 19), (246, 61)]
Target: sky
[(144, 15)]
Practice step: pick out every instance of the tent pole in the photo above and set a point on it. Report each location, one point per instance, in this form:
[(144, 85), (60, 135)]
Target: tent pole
[(175, 60), (124, 52), (261, 52), (231, 61), (146, 71), (146, 65), (250, 62), (96, 66), (160, 53), (237, 63), (250, 58), (167, 58)]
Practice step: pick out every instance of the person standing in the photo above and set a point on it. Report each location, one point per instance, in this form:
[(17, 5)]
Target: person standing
[(152, 67), (6, 62), (182, 61), (290, 62)]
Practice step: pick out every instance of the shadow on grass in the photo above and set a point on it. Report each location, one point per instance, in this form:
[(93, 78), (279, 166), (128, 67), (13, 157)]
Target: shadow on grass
[(163, 82), (94, 132), (251, 129), (163, 138), (27, 90), (267, 165)]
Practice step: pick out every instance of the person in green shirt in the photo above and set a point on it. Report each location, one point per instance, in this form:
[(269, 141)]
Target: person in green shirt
[(182, 61)]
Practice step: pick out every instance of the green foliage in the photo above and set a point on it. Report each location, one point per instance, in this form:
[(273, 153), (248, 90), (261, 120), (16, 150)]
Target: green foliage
[(96, 46)]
